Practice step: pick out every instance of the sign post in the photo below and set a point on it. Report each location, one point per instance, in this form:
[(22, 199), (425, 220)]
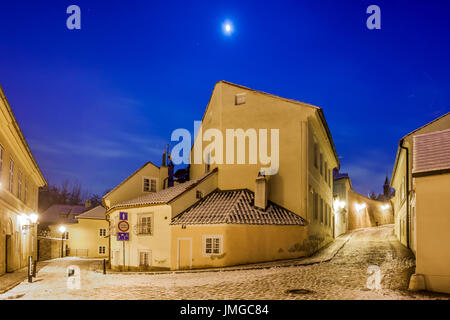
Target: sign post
[(123, 235)]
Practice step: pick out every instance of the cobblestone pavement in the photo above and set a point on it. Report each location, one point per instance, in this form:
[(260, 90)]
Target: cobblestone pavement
[(344, 277)]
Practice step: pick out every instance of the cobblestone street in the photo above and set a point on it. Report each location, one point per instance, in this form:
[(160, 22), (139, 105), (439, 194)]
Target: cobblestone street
[(344, 277)]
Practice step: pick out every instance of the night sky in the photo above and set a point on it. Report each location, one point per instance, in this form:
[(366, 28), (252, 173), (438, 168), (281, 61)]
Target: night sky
[(95, 104)]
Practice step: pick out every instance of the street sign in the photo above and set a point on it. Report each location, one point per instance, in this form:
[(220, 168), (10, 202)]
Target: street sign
[(123, 236), (123, 215), (123, 226)]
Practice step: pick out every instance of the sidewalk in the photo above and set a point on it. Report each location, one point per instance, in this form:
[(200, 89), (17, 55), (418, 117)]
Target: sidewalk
[(10, 280), (323, 255)]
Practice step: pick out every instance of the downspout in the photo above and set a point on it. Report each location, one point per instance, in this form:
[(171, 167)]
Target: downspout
[(407, 191)]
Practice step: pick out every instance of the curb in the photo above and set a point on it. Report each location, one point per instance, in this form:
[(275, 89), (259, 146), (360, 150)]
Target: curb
[(242, 268)]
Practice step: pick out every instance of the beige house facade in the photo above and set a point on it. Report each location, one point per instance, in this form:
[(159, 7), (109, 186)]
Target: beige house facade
[(232, 213), (402, 181), (87, 237), (20, 178), (431, 185)]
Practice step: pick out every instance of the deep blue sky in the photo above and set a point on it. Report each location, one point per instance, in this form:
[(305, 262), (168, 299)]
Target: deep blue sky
[(96, 103)]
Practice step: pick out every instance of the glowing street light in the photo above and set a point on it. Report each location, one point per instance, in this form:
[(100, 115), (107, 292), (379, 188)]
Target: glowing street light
[(33, 217), (62, 229), (360, 206)]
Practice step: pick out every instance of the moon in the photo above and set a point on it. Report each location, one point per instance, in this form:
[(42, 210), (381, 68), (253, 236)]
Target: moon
[(227, 27)]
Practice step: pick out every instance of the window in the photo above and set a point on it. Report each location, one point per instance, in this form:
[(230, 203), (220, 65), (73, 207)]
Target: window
[(198, 194), (26, 191), (403, 189), (240, 99), (19, 185), (102, 250), (326, 171), (11, 175), (329, 177), (321, 164), (102, 232), (144, 258), (1, 161), (149, 184), (64, 215), (145, 225), (316, 206), (212, 245), (321, 210), (325, 205), (316, 155), (208, 162)]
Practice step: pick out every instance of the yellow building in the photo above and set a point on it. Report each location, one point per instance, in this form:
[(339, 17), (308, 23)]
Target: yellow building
[(20, 178), (431, 185), (402, 181), (87, 237), (230, 212)]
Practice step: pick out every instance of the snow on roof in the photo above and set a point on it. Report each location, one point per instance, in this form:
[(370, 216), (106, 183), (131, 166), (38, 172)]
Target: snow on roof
[(61, 213), (94, 213), (163, 196)]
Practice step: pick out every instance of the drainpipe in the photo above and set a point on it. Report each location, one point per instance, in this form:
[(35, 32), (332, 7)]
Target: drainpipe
[(407, 191)]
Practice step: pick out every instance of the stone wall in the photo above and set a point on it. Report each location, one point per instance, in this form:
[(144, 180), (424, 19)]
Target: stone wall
[(49, 248)]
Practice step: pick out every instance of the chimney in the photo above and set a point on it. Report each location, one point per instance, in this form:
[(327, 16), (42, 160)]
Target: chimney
[(261, 192), (88, 204), (164, 158)]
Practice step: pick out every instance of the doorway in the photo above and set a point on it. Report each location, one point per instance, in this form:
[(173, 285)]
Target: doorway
[(184, 253), (8, 254)]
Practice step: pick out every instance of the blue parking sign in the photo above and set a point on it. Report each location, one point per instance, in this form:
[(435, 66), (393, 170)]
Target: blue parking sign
[(123, 215), (123, 236)]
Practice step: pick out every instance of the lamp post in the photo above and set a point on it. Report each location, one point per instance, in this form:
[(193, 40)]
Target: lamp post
[(62, 229), (28, 223)]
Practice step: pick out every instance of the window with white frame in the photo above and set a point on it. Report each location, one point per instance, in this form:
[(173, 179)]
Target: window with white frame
[(145, 224), (11, 175), (102, 249), (102, 232), (149, 184), (144, 258), (212, 244), (19, 185)]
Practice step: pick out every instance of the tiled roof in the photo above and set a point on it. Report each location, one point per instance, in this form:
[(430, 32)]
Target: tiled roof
[(95, 213), (431, 151), (235, 207), (163, 196)]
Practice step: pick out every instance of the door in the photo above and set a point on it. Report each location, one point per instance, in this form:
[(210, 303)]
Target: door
[(184, 253), (8, 254)]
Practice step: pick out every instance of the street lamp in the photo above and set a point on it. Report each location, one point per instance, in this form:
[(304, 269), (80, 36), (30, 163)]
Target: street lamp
[(62, 229)]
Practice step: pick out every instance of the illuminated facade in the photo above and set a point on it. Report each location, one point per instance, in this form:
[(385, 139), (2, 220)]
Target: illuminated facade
[(20, 178)]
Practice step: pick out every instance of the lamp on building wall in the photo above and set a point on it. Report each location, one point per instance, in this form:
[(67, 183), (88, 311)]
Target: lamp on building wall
[(360, 207), (62, 229), (28, 222), (384, 207)]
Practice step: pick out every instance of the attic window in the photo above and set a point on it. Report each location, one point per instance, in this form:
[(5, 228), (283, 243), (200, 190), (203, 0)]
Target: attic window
[(199, 194), (240, 98)]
